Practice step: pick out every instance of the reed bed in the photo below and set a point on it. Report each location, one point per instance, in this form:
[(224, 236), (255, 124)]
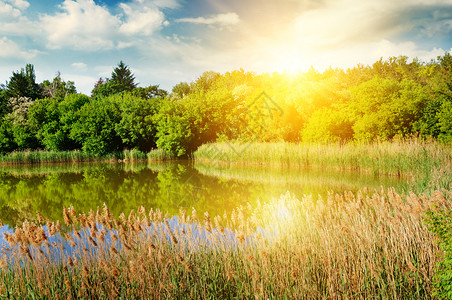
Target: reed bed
[(159, 155), (426, 162), (30, 170), (349, 246), (41, 156), (76, 156)]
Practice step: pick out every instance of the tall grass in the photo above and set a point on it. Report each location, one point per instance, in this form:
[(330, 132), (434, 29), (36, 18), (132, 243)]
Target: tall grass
[(160, 155), (30, 157), (428, 163), (364, 245), (44, 156)]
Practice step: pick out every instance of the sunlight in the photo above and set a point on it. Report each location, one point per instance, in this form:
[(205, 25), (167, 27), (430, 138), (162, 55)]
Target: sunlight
[(290, 61), (282, 213)]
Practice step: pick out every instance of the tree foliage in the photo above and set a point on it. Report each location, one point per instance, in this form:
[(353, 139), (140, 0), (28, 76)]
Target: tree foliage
[(389, 99), (23, 84), (58, 88), (123, 77)]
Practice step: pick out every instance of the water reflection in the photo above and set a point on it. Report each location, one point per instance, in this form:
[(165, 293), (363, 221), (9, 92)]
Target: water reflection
[(165, 186)]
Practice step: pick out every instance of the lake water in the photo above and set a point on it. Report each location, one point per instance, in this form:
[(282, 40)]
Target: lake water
[(167, 186)]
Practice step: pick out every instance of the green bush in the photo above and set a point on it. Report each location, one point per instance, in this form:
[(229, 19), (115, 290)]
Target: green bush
[(95, 127), (440, 222)]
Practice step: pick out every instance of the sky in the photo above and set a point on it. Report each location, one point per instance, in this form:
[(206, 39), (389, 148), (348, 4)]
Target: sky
[(170, 41)]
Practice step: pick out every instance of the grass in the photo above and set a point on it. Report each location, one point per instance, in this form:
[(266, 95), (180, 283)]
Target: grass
[(427, 163), (76, 156), (363, 245), (31, 157), (160, 155)]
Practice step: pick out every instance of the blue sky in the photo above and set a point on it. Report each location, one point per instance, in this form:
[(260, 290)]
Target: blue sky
[(168, 41)]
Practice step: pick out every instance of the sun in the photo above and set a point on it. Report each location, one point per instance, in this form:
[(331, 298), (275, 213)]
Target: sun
[(292, 62), (288, 59)]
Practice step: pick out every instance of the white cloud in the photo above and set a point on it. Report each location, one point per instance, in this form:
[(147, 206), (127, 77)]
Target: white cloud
[(141, 19), (20, 4), (12, 22), (443, 27), (85, 25), (8, 11), (9, 49), (220, 19), (20, 27), (79, 65), (165, 3), (123, 45), (82, 25), (343, 22), (84, 84)]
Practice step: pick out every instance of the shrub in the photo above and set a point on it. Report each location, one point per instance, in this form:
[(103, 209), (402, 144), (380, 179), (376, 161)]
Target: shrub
[(440, 222)]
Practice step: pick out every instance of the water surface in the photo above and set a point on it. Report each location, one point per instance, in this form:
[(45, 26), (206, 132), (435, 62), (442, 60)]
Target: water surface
[(167, 186)]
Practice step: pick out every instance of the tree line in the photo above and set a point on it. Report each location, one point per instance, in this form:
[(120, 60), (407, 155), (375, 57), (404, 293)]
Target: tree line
[(389, 99)]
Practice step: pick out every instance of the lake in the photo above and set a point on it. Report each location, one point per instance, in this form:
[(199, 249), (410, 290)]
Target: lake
[(167, 186)]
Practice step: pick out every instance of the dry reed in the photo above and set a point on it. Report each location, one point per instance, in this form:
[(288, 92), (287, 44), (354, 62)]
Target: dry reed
[(350, 246)]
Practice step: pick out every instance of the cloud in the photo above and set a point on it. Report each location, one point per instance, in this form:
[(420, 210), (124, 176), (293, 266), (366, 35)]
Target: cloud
[(219, 19), (85, 25), (141, 19), (79, 65), (82, 24), (344, 22), (9, 49), (12, 22), (368, 53), (20, 4), (166, 3), (83, 83), (8, 11)]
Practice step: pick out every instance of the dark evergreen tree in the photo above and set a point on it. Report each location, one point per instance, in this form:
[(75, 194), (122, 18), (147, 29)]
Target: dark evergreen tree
[(23, 84), (3, 101), (123, 77)]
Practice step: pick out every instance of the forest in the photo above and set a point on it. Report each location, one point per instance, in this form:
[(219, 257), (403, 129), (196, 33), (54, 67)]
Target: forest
[(390, 99)]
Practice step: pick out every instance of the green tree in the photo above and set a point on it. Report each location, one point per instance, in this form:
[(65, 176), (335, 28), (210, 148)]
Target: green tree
[(104, 88), (94, 127), (23, 134), (122, 80), (384, 108), (437, 114), (173, 129), (206, 81), (58, 88), (69, 110), (3, 102), (445, 122), (180, 90), (23, 84), (44, 118), (328, 125), (136, 127), (150, 92), (123, 77), (7, 143)]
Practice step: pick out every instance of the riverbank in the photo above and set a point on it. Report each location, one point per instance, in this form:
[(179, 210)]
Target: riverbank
[(365, 245), (428, 163)]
